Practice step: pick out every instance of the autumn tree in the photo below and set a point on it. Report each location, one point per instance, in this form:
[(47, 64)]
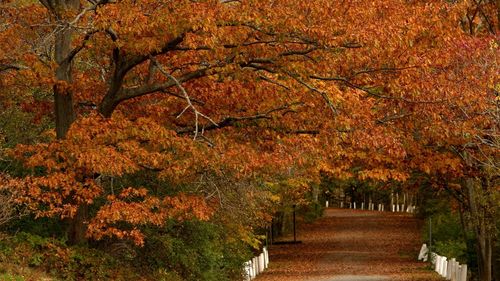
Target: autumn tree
[(255, 90)]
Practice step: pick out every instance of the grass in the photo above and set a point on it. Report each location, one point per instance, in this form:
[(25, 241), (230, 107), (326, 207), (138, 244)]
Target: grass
[(10, 277)]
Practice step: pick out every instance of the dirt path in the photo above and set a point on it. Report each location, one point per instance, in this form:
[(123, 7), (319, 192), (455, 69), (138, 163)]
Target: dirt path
[(351, 245)]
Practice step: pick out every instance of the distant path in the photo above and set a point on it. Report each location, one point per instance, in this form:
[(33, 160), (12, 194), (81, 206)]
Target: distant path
[(351, 245)]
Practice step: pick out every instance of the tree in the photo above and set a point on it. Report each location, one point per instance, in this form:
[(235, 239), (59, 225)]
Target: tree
[(453, 139), (265, 90)]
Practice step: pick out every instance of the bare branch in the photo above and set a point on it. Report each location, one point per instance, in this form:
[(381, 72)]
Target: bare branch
[(9, 208), (232, 120), (86, 10), (196, 112)]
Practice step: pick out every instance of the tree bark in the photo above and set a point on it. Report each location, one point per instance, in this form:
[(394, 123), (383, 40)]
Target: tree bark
[(484, 238), (77, 226), (63, 95)]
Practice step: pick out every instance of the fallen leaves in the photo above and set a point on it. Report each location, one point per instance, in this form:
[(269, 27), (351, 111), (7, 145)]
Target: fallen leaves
[(351, 242)]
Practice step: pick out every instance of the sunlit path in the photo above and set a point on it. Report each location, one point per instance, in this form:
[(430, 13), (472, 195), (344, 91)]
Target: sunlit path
[(352, 245)]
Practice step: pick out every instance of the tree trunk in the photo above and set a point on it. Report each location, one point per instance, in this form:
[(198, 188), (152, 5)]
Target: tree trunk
[(77, 228), (484, 239), (63, 97), (498, 16), (496, 262)]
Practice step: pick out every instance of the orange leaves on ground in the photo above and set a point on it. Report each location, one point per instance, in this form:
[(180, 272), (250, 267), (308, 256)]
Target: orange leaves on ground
[(347, 245)]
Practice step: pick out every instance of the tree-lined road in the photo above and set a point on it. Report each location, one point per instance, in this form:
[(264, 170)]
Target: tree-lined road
[(352, 245)]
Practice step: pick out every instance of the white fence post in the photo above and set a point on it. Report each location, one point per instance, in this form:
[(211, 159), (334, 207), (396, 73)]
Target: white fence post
[(444, 267), (266, 257), (262, 263), (248, 271), (251, 269), (463, 273), (423, 253), (449, 268), (454, 266), (255, 266), (457, 273), (438, 264)]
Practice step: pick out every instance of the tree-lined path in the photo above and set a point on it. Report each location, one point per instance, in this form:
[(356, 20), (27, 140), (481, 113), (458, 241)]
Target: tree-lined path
[(352, 245)]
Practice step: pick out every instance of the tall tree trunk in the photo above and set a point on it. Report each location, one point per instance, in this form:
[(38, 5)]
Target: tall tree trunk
[(484, 238), (498, 16), (63, 95)]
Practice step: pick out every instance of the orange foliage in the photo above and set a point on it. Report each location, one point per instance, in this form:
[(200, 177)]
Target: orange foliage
[(267, 90)]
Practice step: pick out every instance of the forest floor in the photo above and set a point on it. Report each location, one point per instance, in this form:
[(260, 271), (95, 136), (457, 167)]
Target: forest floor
[(352, 245)]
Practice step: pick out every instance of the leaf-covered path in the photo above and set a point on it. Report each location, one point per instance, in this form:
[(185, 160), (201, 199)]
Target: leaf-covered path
[(351, 245)]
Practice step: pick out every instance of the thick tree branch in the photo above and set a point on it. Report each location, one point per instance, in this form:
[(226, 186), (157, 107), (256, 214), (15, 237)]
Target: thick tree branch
[(129, 93), (168, 46), (390, 118), (122, 65), (232, 120), (6, 67), (77, 49)]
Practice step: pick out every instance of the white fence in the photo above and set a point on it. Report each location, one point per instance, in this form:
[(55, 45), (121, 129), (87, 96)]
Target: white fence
[(257, 265), (448, 268), (376, 207)]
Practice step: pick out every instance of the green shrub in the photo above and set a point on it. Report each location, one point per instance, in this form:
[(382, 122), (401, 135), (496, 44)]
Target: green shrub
[(195, 250), (311, 212)]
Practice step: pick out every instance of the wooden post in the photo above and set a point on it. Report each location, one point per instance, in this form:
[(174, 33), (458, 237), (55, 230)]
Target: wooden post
[(392, 199), (438, 264), (449, 268), (463, 272), (430, 234), (262, 263), (294, 228), (271, 236), (444, 266)]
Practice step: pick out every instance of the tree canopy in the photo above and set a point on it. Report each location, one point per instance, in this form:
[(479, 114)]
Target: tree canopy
[(159, 105)]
